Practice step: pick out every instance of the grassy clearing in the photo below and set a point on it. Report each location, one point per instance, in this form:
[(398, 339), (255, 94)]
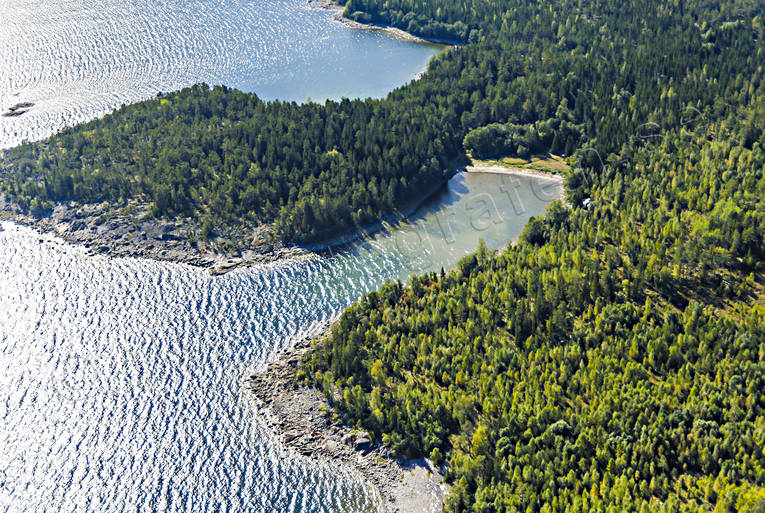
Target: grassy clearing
[(544, 163)]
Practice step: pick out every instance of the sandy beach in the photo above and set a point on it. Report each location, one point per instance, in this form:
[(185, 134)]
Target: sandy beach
[(517, 171)]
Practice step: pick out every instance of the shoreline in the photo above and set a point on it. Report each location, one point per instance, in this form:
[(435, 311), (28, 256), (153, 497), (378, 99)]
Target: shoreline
[(302, 417), (554, 178), (132, 234), (125, 231), (385, 223), (393, 31), (510, 170)]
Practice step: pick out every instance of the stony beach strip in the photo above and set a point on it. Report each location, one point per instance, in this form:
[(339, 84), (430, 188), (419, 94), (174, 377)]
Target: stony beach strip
[(303, 418), (130, 232), (338, 9)]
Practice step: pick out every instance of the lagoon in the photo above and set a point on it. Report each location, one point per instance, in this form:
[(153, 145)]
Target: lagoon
[(123, 381)]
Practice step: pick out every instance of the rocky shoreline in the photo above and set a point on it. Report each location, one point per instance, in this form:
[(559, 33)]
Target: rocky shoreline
[(128, 231), (394, 31), (304, 420), (301, 415)]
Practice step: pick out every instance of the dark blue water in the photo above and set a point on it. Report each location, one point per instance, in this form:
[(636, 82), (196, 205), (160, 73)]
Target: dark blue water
[(122, 381), (79, 59)]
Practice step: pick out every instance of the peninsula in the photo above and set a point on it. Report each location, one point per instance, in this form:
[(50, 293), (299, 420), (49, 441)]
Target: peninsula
[(612, 359)]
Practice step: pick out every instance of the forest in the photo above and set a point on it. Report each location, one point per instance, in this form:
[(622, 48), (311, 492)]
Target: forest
[(613, 359), (223, 156), (554, 75)]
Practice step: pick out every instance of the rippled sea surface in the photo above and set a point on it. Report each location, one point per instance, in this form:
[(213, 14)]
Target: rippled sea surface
[(122, 381), (79, 59)]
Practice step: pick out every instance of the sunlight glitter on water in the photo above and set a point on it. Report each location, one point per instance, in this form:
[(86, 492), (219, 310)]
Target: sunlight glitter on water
[(78, 60), (122, 380)]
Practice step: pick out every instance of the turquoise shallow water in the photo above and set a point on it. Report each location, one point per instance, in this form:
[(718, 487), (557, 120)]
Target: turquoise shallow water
[(79, 59), (122, 380)]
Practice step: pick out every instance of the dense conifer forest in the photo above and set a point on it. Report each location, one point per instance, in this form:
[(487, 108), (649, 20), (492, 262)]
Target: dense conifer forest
[(222, 156), (551, 76), (614, 358)]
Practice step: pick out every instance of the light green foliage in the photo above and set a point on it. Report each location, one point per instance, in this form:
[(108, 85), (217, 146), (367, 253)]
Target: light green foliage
[(613, 359)]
